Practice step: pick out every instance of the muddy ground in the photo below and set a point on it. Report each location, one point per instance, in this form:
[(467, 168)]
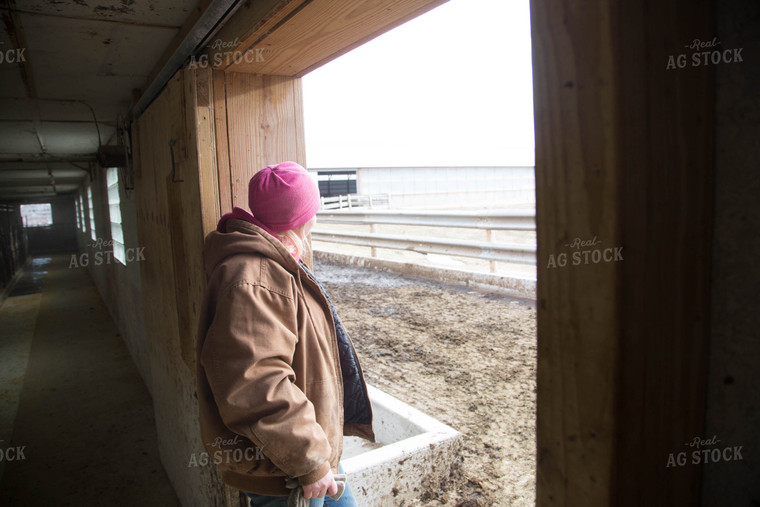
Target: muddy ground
[(464, 356)]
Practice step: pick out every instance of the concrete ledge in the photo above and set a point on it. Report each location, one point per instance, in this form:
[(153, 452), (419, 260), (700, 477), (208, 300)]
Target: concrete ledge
[(414, 452), (521, 287)]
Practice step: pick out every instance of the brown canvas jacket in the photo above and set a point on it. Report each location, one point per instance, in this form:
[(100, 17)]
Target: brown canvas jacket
[(270, 386)]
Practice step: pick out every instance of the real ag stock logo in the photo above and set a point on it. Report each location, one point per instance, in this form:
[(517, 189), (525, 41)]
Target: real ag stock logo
[(584, 253), (705, 453), (219, 456), (105, 256), (711, 56), (221, 50)]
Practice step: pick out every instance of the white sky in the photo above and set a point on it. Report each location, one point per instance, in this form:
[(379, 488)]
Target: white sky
[(452, 87)]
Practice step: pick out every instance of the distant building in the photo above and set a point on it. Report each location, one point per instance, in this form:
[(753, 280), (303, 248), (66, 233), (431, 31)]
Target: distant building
[(435, 187)]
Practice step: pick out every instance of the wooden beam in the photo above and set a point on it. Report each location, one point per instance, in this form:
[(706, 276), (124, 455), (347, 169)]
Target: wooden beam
[(623, 160), (667, 127), (221, 147), (295, 37), (204, 121), (245, 30), (575, 198)]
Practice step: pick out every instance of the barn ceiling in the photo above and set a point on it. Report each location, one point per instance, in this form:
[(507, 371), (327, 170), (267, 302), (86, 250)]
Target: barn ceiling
[(69, 69)]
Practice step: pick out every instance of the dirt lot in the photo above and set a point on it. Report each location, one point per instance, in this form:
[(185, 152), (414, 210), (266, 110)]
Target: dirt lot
[(465, 357)]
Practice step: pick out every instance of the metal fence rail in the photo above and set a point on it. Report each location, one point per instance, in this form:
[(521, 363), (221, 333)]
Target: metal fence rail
[(516, 220), (520, 254), (489, 221), (354, 200)]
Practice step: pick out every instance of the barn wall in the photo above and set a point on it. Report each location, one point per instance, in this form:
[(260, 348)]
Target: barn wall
[(13, 246), (186, 175), (92, 254), (450, 187), (167, 196), (119, 284), (733, 412)]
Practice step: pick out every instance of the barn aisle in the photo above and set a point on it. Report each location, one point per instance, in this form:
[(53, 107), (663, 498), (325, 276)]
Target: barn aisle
[(73, 408)]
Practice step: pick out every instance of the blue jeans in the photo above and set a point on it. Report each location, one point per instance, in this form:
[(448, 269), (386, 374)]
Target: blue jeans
[(346, 499)]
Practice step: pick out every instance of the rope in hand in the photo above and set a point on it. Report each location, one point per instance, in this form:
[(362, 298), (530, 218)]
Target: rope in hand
[(296, 498)]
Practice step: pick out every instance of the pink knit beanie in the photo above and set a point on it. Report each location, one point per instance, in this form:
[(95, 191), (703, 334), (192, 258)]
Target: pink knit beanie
[(283, 196)]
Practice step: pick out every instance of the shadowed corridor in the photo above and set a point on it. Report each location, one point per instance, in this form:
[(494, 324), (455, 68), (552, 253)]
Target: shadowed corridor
[(72, 403)]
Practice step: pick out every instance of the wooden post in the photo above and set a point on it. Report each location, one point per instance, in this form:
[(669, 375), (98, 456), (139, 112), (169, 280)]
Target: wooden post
[(624, 161), (262, 125), (373, 230)]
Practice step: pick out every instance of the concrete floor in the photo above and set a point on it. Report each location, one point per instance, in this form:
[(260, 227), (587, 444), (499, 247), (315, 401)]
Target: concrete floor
[(72, 400)]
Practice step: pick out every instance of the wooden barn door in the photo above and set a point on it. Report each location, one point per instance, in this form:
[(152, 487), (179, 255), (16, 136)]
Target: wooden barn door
[(624, 161)]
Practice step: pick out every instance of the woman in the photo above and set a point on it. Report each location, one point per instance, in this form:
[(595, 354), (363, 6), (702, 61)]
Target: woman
[(276, 370)]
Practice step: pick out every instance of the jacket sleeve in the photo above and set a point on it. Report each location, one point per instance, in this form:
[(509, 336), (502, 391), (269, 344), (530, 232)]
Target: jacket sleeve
[(247, 356)]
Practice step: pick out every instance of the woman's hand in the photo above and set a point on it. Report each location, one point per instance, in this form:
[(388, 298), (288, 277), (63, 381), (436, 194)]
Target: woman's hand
[(325, 486)]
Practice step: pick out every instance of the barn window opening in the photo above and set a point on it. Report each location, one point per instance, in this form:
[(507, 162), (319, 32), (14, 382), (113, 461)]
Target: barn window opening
[(82, 222), (400, 125), (37, 215), (76, 212), (334, 182), (93, 232), (114, 212), (436, 137)]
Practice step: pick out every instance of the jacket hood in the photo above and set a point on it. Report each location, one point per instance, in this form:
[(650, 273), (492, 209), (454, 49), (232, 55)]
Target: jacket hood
[(243, 237)]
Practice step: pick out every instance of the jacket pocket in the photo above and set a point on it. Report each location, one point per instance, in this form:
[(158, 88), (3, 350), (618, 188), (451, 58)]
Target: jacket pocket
[(325, 396)]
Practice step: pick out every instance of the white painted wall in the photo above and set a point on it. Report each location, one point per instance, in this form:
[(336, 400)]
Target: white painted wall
[(451, 187)]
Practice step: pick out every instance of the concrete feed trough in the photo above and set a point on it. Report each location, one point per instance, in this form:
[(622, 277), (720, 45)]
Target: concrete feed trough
[(413, 452)]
